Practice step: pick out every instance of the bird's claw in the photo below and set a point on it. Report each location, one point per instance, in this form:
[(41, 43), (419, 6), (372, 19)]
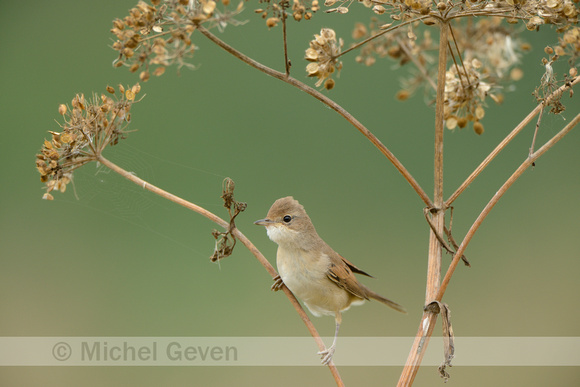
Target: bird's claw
[(327, 355), (278, 283)]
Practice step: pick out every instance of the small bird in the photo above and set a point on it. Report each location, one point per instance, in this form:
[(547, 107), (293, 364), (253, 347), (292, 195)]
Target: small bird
[(311, 269)]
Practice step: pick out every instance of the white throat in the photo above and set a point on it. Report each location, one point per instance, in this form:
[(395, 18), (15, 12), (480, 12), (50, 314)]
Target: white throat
[(282, 235)]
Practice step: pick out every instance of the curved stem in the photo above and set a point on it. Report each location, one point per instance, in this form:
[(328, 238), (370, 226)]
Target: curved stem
[(328, 102), (238, 234)]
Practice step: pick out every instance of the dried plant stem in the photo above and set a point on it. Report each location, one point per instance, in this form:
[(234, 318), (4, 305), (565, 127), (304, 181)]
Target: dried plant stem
[(434, 262), (328, 102), (507, 140), (428, 320), (238, 234), (284, 35), (536, 131), (521, 169)]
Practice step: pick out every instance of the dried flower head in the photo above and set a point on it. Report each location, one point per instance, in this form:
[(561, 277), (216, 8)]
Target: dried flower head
[(322, 54), (275, 11), (87, 129), (465, 94), (494, 44), (153, 37)]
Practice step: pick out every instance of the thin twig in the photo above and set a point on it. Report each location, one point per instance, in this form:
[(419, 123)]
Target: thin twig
[(426, 213), (525, 165), (284, 34), (238, 234), (536, 131), (328, 102), (446, 246), (459, 69), (455, 245), (506, 141), (459, 55)]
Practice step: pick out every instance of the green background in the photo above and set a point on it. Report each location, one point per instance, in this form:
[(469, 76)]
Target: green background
[(121, 262)]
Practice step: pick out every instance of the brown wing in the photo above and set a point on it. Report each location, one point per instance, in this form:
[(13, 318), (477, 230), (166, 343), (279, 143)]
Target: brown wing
[(353, 267), (340, 272)]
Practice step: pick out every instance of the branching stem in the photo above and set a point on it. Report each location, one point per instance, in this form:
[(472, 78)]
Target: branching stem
[(521, 169)]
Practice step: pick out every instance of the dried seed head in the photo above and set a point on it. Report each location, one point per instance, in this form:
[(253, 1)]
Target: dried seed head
[(329, 84), (144, 76), (360, 31), (272, 22), (322, 54), (451, 122), (478, 128), (379, 9), (159, 71), (403, 95), (516, 74), (86, 130)]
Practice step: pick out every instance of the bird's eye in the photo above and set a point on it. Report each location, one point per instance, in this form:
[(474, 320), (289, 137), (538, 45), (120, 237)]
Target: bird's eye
[(287, 218)]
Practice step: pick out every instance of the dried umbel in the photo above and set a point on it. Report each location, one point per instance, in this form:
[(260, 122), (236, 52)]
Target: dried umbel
[(322, 53), (153, 37), (533, 13), (465, 94), (492, 42), (87, 129), (274, 11)]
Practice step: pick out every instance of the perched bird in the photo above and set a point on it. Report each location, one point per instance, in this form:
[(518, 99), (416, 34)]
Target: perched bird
[(311, 269)]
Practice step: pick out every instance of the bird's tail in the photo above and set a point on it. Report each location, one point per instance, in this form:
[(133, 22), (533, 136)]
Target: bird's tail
[(386, 301)]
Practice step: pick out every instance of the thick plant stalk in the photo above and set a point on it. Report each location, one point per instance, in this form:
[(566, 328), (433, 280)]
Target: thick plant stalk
[(434, 263)]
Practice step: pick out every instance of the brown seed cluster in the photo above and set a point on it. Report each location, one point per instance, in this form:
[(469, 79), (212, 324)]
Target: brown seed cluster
[(88, 127), (273, 12), (495, 45), (157, 35), (490, 53), (322, 55), (465, 94), (533, 12), (569, 46)]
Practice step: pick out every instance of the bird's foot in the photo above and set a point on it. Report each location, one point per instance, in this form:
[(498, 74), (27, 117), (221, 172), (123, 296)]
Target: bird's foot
[(278, 283), (327, 354)]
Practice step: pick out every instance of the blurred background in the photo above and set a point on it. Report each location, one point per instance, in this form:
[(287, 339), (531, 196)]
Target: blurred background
[(114, 260)]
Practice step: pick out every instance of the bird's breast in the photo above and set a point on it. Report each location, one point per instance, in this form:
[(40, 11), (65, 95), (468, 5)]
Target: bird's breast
[(305, 274)]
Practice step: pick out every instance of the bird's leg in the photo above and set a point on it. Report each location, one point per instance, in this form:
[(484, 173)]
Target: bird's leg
[(278, 283), (328, 352)]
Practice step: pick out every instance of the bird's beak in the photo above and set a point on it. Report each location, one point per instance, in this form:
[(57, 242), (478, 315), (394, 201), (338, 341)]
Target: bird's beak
[(264, 222)]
